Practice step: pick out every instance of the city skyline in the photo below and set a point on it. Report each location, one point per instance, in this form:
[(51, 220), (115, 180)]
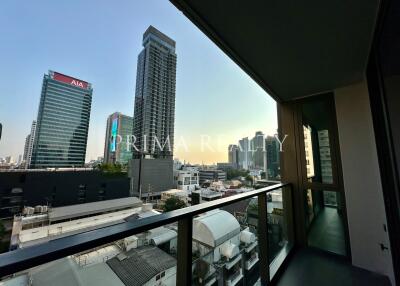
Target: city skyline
[(224, 98)]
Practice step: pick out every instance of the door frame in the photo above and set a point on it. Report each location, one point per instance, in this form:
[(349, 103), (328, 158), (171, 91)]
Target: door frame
[(291, 124)]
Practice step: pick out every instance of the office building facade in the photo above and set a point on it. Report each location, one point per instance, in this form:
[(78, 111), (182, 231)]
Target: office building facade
[(155, 95), (272, 152), (244, 153), (62, 122), (150, 177), (28, 149), (211, 175), (233, 155), (117, 148), (258, 149)]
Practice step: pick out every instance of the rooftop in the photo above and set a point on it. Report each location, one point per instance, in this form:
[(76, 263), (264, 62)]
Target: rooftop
[(72, 211), (215, 227), (48, 232), (141, 265), (157, 33)]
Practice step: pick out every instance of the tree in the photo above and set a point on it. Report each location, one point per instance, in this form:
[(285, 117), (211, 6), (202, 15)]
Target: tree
[(249, 179), (173, 203), (234, 173), (116, 168)]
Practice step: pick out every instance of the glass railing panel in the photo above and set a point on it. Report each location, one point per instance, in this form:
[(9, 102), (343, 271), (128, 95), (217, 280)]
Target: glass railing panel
[(147, 258), (280, 228), (225, 246)]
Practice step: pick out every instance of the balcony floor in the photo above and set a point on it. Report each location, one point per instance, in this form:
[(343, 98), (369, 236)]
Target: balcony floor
[(311, 267)]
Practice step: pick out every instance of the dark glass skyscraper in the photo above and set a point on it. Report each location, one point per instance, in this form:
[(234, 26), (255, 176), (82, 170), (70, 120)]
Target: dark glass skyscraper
[(155, 95), (62, 122)]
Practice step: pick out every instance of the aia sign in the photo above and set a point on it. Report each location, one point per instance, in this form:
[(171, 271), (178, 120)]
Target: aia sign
[(77, 83), (70, 80)]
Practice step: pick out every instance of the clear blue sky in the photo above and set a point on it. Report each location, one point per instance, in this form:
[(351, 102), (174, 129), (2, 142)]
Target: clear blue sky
[(98, 41)]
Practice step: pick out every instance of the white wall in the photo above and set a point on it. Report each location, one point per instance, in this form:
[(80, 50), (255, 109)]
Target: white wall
[(362, 182)]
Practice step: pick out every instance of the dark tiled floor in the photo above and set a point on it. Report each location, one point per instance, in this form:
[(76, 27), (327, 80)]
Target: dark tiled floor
[(327, 232), (311, 267)]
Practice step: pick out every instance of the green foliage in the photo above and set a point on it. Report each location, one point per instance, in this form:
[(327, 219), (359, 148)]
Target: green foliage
[(234, 173), (249, 179), (112, 169), (173, 203)]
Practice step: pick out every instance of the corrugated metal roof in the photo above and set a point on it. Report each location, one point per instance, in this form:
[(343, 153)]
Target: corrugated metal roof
[(141, 265), (99, 275), (72, 211), (60, 272)]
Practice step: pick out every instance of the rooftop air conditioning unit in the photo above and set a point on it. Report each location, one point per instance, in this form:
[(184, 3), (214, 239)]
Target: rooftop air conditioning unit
[(29, 211), (38, 209)]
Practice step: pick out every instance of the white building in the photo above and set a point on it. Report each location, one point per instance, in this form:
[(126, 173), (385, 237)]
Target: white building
[(42, 224), (187, 179), (245, 158), (9, 160), (224, 252)]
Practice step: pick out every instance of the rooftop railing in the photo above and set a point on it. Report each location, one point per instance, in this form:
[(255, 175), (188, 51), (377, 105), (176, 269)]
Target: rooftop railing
[(271, 207)]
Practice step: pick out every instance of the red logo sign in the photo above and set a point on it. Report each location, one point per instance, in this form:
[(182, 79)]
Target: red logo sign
[(70, 80)]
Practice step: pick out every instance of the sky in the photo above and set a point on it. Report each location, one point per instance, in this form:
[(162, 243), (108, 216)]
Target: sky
[(98, 41)]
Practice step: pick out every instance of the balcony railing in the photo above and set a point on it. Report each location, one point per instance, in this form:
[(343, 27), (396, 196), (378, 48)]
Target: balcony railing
[(25, 258)]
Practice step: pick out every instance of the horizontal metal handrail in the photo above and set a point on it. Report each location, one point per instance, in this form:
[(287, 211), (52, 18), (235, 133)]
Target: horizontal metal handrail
[(25, 258)]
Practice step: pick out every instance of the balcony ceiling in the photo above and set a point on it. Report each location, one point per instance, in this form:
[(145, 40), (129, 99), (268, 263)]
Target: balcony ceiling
[(292, 49)]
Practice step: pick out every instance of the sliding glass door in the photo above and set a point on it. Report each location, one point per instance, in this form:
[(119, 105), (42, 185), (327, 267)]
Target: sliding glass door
[(322, 184)]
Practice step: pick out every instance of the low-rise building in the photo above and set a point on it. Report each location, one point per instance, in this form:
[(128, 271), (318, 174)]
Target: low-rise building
[(57, 188), (41, 224), (226, 166), (211, 175), (174, 193), (224, 252), (187, 179), (204, 195)]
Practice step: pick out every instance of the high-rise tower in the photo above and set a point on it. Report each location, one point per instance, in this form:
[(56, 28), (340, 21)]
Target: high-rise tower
[(62, 122), (28, 149), (155, 96)]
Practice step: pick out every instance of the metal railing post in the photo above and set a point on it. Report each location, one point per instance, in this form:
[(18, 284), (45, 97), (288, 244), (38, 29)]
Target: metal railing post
[(262, 227), (184, 257)]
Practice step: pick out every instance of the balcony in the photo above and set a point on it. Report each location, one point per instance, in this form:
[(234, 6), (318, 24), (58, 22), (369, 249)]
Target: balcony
[(98, 248), (251, 262), (279, 262), (234, 278), (334, 72)]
